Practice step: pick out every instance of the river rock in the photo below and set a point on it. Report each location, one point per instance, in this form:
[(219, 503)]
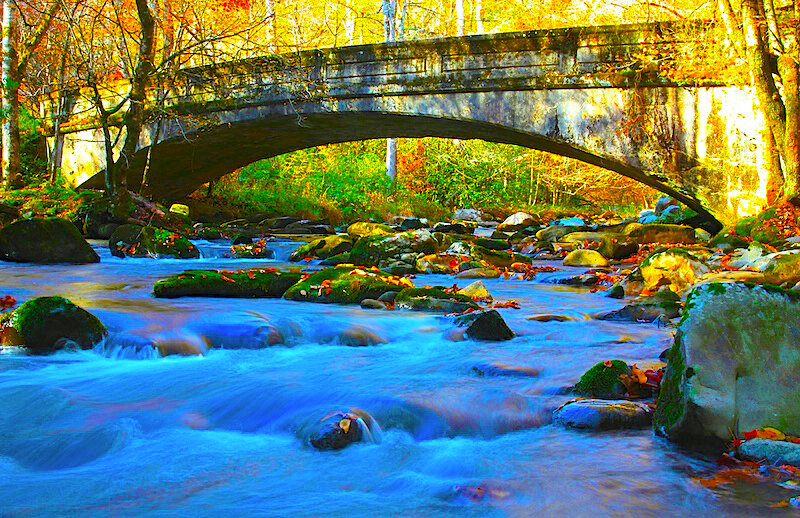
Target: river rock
[(252, 283), (364, 229), (344, 286), (307, 227), (783, 268), (439, 263), (664, 304), (612, 245), (601, 414), (242, 239), (136, 241), (179, 208), (453, 228), (411, 224), (660, 233), (468, 215), (776, 453), (476, 291), (479, 273), (336, 431), (494, 369), (663, 203), (492, 244), (51, 240), (372, 304), (517, 221), (676, 268), (602, 380), (554, 233), (433, 299), (46, 324), (380, 250), (257, 250), (487, 326), (323, 248), (734, 366), (587, 258)]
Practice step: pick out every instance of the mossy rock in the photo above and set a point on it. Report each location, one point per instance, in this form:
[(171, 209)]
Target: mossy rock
[(336, 260), (676, 268), (497, 258), (363, 229), (257, 250), (734, 365), (602, 380), (323, 248), (492, 244), (136, 241), (372, 250), (729, 239), (252, 283), (612, 245), (660, 233), (585, 258), (783, 269), (51, 240), (343, 286), (433, 299), (46, 324)]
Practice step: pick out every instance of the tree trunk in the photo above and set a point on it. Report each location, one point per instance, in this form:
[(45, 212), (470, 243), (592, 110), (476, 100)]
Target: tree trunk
[(270, 32), (459, 17), (10, 97), (389, 8), (788, 67), (479, 16), (134, 117)]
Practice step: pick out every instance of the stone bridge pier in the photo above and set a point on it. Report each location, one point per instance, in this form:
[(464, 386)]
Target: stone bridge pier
[(585, 93)]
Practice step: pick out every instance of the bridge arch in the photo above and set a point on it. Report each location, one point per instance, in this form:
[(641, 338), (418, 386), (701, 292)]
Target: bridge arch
[(184, 163)]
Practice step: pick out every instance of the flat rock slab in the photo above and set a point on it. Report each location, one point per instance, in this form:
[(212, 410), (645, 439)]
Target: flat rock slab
[(772, 452), (603, 414)]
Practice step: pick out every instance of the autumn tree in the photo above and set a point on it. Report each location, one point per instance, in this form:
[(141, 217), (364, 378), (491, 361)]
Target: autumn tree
[(768, 39)]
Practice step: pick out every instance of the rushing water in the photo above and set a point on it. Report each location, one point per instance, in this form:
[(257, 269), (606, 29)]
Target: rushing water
[(118, 431)]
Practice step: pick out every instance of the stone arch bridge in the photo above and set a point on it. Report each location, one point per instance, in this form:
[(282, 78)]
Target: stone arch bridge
[(589, 93)]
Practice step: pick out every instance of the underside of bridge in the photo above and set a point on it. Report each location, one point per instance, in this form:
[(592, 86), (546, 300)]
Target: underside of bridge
[(179, 166)]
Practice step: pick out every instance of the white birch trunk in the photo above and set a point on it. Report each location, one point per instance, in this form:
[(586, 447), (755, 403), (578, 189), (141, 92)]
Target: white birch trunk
[(459, 17), (10, 87)]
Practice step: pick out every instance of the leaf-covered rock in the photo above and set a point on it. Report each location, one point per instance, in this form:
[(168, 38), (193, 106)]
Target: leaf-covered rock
[(136, 241), (51, 240), (46, 324), (252, 283), (734, 366), (345, 286)]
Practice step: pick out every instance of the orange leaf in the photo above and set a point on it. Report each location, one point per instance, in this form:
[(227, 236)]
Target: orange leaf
[(227, 279)]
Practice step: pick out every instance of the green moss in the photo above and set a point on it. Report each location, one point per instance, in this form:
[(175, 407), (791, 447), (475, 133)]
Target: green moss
[(253, 283), (136, 241), (368, 250), (42, 325), (744, 226), (501, 259), (323, 248), (602, 381), (433, 299), (492, 244), (669, 405), (342, 286)]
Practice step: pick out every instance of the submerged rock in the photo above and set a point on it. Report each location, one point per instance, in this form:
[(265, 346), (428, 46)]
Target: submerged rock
[(252, 283), (46, 324), (494, 369), (487, 326), (433, 299), (603, 414), (734, 366), (51, 240), (136, 241), (336, 431)]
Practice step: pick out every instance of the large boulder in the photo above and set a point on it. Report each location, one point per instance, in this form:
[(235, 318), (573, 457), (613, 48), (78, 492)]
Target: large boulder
[(47, 324), (252, 283), (783, 269), (487, 326), (51, 240), (345, 286), (660, 233), (363, 229), (676, 268), (554, 233), (323, 248), (468, 215), (433, 299), (136, 241), (734, 366), (517, 221)]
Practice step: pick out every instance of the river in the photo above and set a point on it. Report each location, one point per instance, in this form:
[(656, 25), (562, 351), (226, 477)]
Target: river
[(119, 432)]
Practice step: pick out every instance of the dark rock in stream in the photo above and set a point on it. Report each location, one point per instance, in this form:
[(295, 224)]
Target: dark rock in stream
[(51, 240), (485, 325), (490, 369), (47, 324), (336, 431)]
